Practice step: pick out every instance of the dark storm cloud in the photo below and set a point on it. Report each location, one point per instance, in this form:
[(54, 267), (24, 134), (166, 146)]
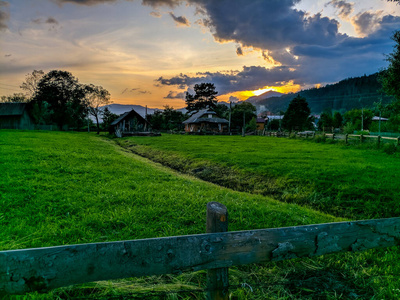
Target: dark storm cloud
[(84, 2), (4, 15), (345, 9), (310, 48), (250, 78), (366, 22), (180, 20), (268, 25)]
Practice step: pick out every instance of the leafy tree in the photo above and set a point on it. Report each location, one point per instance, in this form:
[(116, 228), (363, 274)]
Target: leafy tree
[(252, 126), (167, 119), (337, 121), (63, 97), (96, 97), (297, 116), (108, 118), (16, 97), (359, 118), (245, 108), (31, 82), (222, 110), (390, 77), (172, 118), (204, 97), (325, 120)]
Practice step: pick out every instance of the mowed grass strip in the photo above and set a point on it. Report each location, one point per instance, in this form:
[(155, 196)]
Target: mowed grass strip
[(342, 180), (60, 188)]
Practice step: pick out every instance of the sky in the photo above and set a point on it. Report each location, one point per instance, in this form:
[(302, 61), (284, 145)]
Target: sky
[(151, 52)]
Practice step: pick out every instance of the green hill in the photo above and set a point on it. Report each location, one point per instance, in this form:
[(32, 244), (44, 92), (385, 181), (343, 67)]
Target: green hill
[(342, 96)]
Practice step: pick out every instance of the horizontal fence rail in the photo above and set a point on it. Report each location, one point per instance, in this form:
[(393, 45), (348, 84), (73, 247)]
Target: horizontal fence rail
[(42, 269)]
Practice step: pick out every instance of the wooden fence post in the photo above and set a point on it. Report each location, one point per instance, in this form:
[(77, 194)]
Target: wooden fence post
[(398, 141), (333, 136), (361, 138), (217, 279), (379, 140), (347, 138)]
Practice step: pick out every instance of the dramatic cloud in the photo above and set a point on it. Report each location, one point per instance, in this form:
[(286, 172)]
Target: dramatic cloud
[(84, 2), (345, 9), (367, 22), (182, 21), (250, 78), (4, 15), (268, 25)]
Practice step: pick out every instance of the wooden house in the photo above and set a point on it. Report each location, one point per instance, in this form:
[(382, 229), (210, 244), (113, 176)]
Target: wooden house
[(261, 123), (128, 123), (206, 120), (15, 116)]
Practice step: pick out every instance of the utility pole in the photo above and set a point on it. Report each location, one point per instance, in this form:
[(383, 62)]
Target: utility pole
[(244, 124), (380, 114), (362, 115), (230, 117), (362, 119)]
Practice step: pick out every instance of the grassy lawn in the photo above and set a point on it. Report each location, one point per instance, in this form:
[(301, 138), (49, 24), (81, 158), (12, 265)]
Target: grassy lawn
[(61, 188), (341, 180)]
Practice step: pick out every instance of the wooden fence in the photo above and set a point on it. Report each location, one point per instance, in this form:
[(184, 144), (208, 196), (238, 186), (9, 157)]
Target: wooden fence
[(362, 138), (42, 269)]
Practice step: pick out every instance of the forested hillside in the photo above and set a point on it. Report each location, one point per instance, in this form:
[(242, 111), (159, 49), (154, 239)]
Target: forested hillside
[(342, 96)]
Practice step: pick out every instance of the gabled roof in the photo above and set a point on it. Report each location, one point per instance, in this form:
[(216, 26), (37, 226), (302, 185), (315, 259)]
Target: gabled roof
[(12, 109), (195, 118), (124, 115)]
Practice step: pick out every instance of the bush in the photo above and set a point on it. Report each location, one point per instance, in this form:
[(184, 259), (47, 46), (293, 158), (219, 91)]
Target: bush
[(349, 128), (389, 148), (320, 138)]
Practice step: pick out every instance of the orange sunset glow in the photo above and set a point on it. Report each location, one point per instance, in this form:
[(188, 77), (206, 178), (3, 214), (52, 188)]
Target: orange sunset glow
[(153, 52)]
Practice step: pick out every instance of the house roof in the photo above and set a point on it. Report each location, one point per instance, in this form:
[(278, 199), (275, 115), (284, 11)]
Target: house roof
[(12, 109), (375, 118), (275, 117), (124, 115), (260, 120), (211, 120), (198, 117)]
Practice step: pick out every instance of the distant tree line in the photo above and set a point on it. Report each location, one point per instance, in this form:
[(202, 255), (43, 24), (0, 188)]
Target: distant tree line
[(58, 98)]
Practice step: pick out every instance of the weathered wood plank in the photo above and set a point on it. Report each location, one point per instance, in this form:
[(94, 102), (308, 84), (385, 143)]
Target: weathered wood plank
[(217, 279), (42, 269)]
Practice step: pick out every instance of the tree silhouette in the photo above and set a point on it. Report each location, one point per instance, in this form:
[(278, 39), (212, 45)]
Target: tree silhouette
[(204, 97), (96, 98), (390, 77), (297, 116), (63, 98)]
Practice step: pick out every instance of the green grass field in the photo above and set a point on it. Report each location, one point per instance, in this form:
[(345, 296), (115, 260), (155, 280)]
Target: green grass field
[(342, 180), (60, 188)]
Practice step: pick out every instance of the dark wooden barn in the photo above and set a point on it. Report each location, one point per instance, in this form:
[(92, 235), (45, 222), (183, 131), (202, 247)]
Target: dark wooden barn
[(15, 116), (129, 123)]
